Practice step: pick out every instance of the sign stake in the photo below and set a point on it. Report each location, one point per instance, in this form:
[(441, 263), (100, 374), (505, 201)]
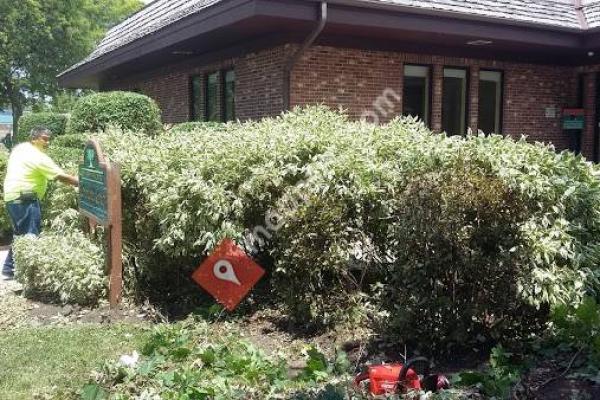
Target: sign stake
[(100, 202)]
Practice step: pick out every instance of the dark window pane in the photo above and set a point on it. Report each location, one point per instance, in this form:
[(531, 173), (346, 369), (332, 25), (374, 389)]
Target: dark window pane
[(454, 101), (490, 97), (196, 98), (487, 107), (229, 95), (212, 93), (416, 92)]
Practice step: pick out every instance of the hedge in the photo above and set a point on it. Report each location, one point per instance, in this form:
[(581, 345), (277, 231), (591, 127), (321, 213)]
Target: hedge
[(57, 123), (5, 224), (185, 127), (125, 110), (61, 266), (357, 183), (71, 141), (433, 238)]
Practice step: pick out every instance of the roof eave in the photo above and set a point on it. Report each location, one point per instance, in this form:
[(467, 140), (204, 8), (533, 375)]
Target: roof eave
[(222, 14), (213, 17)]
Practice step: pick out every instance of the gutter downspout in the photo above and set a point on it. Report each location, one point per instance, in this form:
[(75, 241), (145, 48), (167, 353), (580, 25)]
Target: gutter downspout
[(583, 23), (289, 65)]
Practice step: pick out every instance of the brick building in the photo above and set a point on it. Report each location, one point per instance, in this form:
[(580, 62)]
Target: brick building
[(495, 65)]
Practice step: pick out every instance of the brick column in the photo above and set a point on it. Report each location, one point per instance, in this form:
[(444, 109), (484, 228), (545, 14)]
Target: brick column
[(436, 101), (589, 103), (473, 105), (400, 89)]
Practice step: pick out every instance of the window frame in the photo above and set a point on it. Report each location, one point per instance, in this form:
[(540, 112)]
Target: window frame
[(429, 89), (224, 93), (193, 116), (467, 70), (501, 100), (217, 97)]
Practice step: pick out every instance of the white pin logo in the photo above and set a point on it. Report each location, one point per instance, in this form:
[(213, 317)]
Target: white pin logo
[(224, 270)]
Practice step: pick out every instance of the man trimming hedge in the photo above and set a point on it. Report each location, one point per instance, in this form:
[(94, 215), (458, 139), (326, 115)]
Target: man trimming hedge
[(27, 174)]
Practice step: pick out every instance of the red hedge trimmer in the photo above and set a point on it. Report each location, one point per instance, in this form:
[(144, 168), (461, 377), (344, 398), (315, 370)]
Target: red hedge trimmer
[(401, 378)]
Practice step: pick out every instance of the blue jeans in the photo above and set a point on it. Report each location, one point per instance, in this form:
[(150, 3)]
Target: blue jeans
[(26, 217)]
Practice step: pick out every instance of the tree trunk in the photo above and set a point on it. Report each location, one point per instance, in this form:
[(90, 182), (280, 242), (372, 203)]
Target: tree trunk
[(16, 103)]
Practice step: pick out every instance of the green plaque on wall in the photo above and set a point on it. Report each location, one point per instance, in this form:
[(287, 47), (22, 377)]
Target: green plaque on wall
[(574, 122)]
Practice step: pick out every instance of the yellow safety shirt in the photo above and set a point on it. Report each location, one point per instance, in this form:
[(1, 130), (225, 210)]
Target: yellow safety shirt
[(29, 170)]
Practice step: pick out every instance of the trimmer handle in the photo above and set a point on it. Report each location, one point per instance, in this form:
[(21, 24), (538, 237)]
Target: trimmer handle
[(410, 363)]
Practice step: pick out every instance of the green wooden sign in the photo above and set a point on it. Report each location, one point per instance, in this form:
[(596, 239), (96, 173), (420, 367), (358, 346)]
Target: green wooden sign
[(100, 201), (93, 185)]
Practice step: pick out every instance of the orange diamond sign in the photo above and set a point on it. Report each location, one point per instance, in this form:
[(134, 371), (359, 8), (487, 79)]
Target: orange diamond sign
[(228, 274)]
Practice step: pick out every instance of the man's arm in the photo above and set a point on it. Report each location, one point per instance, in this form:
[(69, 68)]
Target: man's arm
[(68, 179)]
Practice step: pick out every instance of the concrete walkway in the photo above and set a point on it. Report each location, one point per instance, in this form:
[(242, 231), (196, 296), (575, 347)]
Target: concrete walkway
[(7, 287), (3, 254)]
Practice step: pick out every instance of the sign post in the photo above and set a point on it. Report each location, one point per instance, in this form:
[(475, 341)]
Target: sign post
[(100, 202)]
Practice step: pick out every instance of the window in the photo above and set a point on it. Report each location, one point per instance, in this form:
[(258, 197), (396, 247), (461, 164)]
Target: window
[(212, 97), (229, 95), (196, 104), (416, 92), (490, 101), (454, 101)]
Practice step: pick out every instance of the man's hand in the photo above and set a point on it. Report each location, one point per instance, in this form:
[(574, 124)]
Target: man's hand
[(68, 179)]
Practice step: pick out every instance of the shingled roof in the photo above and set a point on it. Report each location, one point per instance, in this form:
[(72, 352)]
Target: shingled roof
[(153, 17), (558, 14), (591, 11)]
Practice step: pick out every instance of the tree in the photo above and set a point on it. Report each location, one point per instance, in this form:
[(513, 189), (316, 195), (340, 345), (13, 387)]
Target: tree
[(41, 38)]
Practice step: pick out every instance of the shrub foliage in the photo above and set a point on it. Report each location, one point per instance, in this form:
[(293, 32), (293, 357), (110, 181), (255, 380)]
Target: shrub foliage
[(437, 238), (196, 125), (125, 110), (57, 123), (5, 224), (466, 234), (70, 141), (67, 267)]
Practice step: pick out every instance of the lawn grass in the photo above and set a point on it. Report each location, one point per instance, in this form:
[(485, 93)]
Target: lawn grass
[(33, 360)]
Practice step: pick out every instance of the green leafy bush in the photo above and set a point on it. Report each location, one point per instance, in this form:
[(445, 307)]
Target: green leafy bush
[(361, 206), (460, 234), (125, 110), (196, 125), (57, 123), (579, 326), (5, 224), (71, 141), (63, 265), (457, 258)]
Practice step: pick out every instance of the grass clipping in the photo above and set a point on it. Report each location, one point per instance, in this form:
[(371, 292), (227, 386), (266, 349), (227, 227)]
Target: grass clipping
[(65, 267)]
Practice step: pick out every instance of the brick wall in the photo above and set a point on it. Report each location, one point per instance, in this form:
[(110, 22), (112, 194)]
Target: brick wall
[(258, 91), (353, 79)]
